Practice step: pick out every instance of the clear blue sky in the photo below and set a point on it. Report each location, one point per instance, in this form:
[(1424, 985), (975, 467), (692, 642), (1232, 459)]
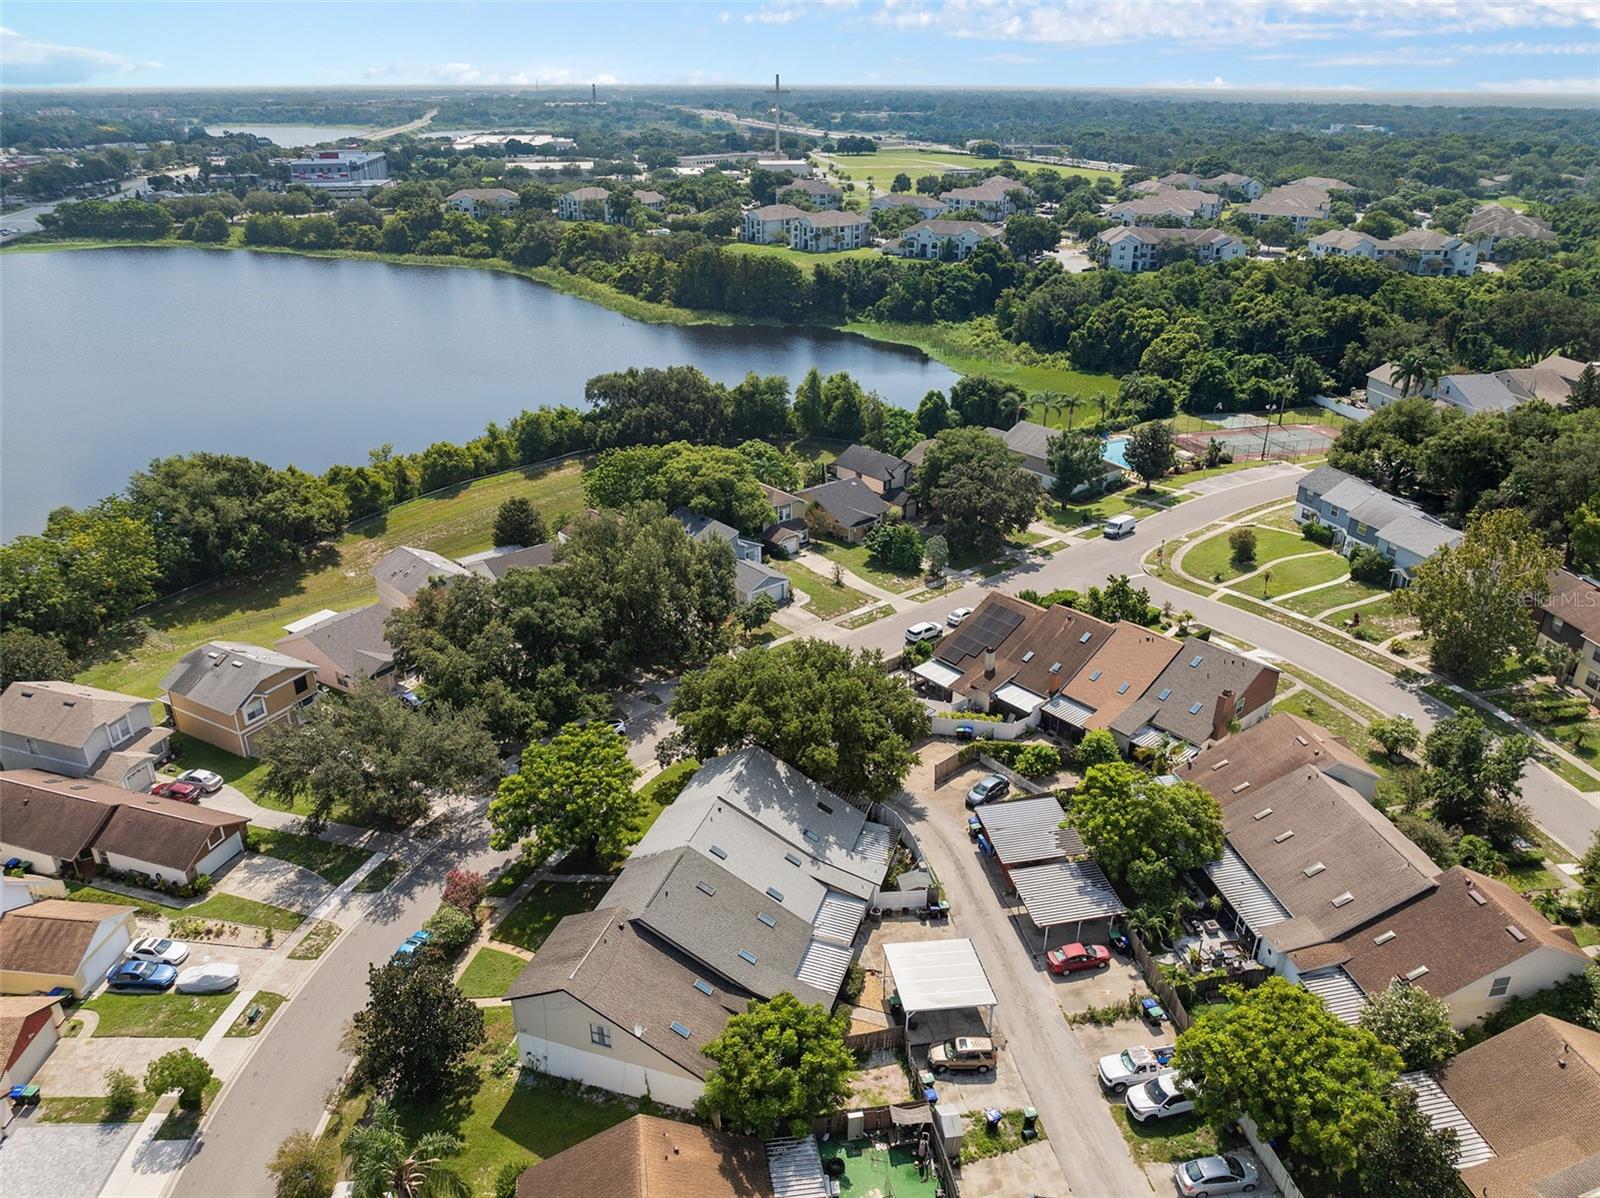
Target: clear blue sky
[(1505, 46)]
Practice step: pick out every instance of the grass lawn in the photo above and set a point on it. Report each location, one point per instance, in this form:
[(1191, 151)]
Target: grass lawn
[(979, 1142), (184, 1016), (1213, 556), (315, 942), (535, 917), (854, 558), (91, 1110), (337, 577), (505, 1120), (490, 973), (230, 908), (883, 166), (1348, 591), (243, 773), (828, 599), (332, 862), (388, 870), (269, 1002), (870, 616), (966, 349), (182, 1124), (510, 876), (1070, 516), (1297, 574), (78, 892), (1165, 1140), (801, 258)]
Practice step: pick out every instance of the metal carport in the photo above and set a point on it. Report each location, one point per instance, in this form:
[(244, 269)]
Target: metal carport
[(1065, 892), (938, 975)]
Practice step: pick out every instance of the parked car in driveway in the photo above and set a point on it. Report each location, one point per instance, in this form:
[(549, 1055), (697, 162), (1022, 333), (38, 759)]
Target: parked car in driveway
[(158, 949), (964, 1054), (987, 790), (1159, 1098), (1075, 958), (208, 782), (215, 978), (955, 617), (1132, 1066), (184, 792), (923, 630), (1207, 1175), (134, 976)]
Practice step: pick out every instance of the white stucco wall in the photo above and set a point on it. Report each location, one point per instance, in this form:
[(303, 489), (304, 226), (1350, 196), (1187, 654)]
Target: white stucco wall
[(608, 1072)]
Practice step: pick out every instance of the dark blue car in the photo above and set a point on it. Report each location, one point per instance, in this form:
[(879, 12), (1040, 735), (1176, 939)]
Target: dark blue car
[(142, 975)]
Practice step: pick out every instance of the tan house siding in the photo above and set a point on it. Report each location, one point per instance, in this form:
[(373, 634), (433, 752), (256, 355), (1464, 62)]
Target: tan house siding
[(229, 729), (873, 484), (1539, 969), (554, 1034)]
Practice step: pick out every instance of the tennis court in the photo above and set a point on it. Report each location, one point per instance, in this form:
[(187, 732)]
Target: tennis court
[(1253, 442)]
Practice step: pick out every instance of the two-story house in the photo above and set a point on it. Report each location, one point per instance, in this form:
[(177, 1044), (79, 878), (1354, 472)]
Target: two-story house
[(1360, 514), (787, 534), (752, 576), (884, 473), (1134, 249), (228, 693), (1416, 251), (82, 732), (770, 224), (826, 232), (992, 197), (571, 204), (1570, 619), (1493, 223)]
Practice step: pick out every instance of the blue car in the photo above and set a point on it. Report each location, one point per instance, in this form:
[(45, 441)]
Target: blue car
[(142, 975), (407, 950)]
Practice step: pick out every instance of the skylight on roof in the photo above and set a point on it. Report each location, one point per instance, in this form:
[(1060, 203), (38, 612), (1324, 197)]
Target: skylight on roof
[(1313, 870), (1385, 937), (705, 888), (1165, 692), (719, 852), (702, 985), (1344, 899), (746, 955), (774, 893), (1055, 667), (823, 807), (1416, 973), (1095, 677), (1282, 836), (1478, 897), (1194, 708), (1123, 689), (680, 1029), (1028, 656), (1263, 813), (767, 919), (1084, 639), (792, 858), (811, 836), (1219, 764), (1196, 660), (1517, 933)]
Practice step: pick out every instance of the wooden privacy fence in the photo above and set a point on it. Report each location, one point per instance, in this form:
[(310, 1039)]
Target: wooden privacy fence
[(1163, 988), (879, 1118), (883, 1037)]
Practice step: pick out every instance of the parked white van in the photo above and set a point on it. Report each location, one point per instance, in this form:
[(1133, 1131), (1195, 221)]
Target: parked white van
[(1119, 526)]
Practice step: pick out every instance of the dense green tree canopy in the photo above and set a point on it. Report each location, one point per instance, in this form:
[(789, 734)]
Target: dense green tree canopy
[(779, 1065), (574, 791), (416, 1029), (978, 486), (710, 481), (1142, 832), (834, 715)]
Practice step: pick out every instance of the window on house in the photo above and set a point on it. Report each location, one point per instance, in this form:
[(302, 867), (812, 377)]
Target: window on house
[(302, 684), (121, 731), (1499, 986), (254, 709), (600, 1034), (1238, 705)]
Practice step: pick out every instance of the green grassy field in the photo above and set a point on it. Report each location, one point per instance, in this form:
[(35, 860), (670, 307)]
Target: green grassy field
[(1069, 516), (182, 1016), (490, 972), (243, 773), (230, 908), (883, 166), (827, 599), (242, 1028), (453, 524), (1349, 591), (854, 558), (1212, 556), (800, 258), (1294, 575), (332, 862), (535, 917)]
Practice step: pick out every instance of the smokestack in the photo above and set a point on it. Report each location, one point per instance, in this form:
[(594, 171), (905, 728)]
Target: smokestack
[(777, 117), (594, 95), (988, 663)]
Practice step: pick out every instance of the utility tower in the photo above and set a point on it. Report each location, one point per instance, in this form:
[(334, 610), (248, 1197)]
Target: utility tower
[(777, 117)]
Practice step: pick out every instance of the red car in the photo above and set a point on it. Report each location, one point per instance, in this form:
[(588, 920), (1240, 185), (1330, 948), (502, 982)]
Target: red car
[(1074, 958), (184, 792)]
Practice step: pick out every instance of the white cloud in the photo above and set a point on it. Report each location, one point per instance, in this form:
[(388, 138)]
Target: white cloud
[(25, 62), (1571, 85), (1266, 22), (459, 73)]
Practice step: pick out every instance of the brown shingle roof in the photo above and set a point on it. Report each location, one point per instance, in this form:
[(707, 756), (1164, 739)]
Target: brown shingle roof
[(1131, 655), (633, 980), (165, 831), (49, 815), (15, 1011), (1574, 600), (647, 1157), (1201, 673), (1536, 1085), (1265, 752), (1330, 858), (1458, 939), (52, 936)]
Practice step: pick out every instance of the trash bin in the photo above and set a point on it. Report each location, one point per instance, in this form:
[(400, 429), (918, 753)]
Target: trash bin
[(1030, 1123)]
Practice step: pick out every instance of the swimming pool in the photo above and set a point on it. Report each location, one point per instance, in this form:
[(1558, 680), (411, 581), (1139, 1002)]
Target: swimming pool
[(1116, 452)]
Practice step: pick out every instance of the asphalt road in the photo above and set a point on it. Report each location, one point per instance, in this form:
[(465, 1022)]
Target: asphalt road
[(298, 1060), (1055, 1068), (1565, 813)]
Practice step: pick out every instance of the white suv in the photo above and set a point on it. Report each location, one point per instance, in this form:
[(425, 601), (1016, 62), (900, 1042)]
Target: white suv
[(923, 631)]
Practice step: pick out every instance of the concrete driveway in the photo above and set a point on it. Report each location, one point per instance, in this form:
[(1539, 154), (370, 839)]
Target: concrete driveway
[(62, 1158), (77, 1067), (271, 880), (1052, 1065)]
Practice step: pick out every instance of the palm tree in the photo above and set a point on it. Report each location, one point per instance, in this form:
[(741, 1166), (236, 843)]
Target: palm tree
[(1048, 401), (1070, 403), (1419, 368), (385, 1164)]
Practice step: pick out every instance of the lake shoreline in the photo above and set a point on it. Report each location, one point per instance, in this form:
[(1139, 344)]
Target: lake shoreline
[(927, 339)]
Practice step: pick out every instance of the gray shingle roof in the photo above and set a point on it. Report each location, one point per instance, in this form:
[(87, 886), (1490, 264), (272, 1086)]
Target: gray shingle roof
[(353, 640), (408, 569), (63, 713), (700, 527), (847, 500), (750, 575), (221, 675), (1219, 670), (1481, 392), (874, 463), (497, 563)]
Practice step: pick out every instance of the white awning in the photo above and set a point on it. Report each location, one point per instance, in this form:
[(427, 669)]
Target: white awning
[(1066, 892), (938, 975), (1147, 737), (1025, 830), (1019, 698), (937, 673), (1247, 894), (1068, 711), (1339, 993), (1442, 1112)]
